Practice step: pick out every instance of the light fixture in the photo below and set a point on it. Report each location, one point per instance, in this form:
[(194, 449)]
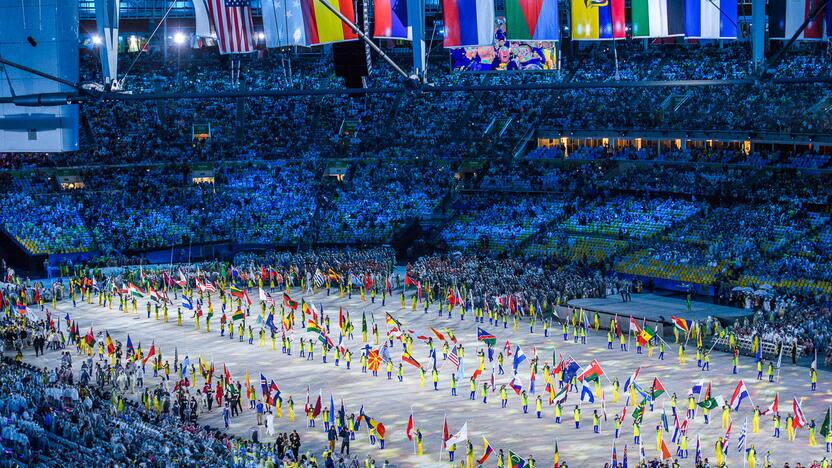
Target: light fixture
[(179, 38), (261, 36), (96, 39)]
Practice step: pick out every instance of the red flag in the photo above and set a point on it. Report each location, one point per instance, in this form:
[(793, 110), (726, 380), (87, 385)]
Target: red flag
[(150, 353), (445, 435), (218, 394), (317, 409), (409, 430)]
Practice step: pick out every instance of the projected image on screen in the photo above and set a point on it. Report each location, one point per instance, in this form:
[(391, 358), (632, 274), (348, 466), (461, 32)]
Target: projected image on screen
[(505, 54)]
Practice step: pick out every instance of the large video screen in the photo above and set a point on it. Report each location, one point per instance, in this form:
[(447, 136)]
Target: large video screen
[(505, 54)]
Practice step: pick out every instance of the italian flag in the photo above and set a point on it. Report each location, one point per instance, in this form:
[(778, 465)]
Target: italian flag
[(134, 290)]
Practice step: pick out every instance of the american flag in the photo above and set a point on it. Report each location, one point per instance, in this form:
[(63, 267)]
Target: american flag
[(233, 25), (454, 357)]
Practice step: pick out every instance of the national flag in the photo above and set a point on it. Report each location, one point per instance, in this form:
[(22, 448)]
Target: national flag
[(150, 353), (710, 19), (532, 20), (89, 338), (486, 451), (130, 350), (614, 456), (557, 455), (698, 454), (409, 430), (450, 335), (774, 407), (786, 16), (408, 358), (375, 424), (187, 303), (185, 364), (740, 393), (825, 427), (445, 434), (453, 356), (181, 282), (392, 321), (592, 372), (111, 348), (665, 452), (373, 360), (233, 25), (708, 403), (741, 438), (460, 436), (515, 461), (658, 18), (634, 328), (657, 389), (289, 302), (437, 334), (21, 309), (515, 384), (560, 396), (598, 19), (682, 324), (265, 297), (237, 315), (587, 394), (486, 337), (631, 380), (727, 434), (391, 21), (207, 285), (646, 334), (135, 291), (519, 356), (697, 388), (799, 419), (638, 413), (309, 309), (468, 22), (319, 278)]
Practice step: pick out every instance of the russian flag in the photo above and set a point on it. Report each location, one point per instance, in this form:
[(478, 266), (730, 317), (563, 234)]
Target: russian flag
[(711, 19), (740, 394), (468, 22)]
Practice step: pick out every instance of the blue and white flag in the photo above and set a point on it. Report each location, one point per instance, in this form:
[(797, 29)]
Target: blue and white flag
[(519, 356), (186, 303), (586, 393)]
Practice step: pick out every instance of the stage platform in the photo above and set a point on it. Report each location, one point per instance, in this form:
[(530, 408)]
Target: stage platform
[(657, 308)]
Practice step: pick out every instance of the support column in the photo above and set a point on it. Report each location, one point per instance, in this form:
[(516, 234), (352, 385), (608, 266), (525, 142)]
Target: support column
[(758, 32), (416, 18)]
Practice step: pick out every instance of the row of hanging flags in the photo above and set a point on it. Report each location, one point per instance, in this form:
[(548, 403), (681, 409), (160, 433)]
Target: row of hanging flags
[(472, 22)]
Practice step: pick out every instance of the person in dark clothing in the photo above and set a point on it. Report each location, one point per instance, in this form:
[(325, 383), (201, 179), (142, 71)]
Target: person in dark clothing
[(345, 440)]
